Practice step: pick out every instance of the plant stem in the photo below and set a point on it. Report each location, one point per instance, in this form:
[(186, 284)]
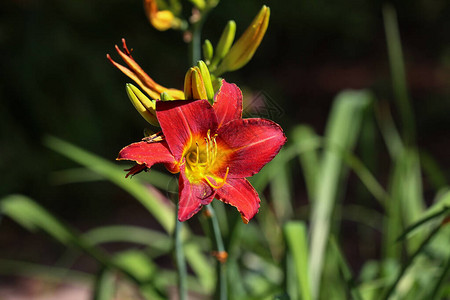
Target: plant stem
[(180, 260), (221, 271), (195, 44)]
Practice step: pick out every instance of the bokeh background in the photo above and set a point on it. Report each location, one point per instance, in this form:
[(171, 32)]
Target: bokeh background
[(56, 80)]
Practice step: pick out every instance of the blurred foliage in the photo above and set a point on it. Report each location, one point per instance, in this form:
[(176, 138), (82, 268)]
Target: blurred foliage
[(56, 80)]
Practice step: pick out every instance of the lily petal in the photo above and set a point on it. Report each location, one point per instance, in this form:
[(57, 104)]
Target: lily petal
[(182, 122), (228, 103), (148, 154), (192, 196), (241, 194), (252, 143)]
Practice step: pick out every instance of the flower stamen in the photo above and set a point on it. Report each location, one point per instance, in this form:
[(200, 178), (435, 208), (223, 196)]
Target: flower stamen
[(222, 180)]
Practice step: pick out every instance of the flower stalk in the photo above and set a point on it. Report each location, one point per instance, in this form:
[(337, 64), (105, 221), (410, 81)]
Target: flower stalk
[(180, 259), (220, 254)]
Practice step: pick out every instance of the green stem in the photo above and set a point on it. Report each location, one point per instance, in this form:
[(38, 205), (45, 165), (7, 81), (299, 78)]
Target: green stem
[(222, 285), (180, 260), (195, 44)]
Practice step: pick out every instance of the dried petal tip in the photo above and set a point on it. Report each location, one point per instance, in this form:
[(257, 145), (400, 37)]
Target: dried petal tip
[(143, 105), (242, 51)]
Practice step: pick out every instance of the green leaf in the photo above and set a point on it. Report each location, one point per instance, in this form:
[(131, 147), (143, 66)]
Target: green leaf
[(130, 234), (307, 142), (33, 217), (409, 261), (423, 221), (104, 287), (136, 262), (345, 270), (396, 63), (149, 198), (296, 240), (341, 133)]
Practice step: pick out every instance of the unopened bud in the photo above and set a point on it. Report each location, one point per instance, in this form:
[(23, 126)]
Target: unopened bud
[(194, 87), (207, 81), (225, 42), (143, 105), (166, 97), (244, 49), (208, 51), (160, 19)]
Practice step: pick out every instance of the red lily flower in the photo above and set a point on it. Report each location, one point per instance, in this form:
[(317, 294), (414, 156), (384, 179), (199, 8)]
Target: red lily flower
[(213, 148)]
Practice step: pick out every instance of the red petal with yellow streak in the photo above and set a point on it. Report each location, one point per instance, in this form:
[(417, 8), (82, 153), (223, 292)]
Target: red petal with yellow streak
[(252, 143), (228, 103), (241, 194), (183, 122), (192, 196), (149, 154)]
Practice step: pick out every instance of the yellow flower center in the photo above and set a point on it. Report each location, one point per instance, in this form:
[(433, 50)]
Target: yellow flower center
[(202, 159)]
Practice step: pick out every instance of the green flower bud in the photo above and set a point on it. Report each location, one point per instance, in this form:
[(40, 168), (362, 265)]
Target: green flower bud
[(166, 97), (143, 105), (207, 81), (194, 87), (225, 42), (244, 49), (208, 51)]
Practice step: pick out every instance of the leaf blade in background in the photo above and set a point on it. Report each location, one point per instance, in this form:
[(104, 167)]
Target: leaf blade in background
[(161, 212), (341, 133), (32, 216), (104, 286), (296, 239), (345, 270), (307, 142)]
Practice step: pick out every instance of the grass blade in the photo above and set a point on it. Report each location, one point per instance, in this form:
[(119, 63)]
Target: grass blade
[(32, 216), (421, 222), (104, 287), (296, 240), (409, 261), (342, 130), (281, 192), (130, 234), (345, 270), (398, 73), (160, 211), (439, 283), (307, 140)]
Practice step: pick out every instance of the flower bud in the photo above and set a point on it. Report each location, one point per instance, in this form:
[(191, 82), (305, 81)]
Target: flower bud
[(242, 51), (207, 51), (207, 81), (166, 97), (194, 87), (160, 19), (143, 105), (200, 4), (225, 42)]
